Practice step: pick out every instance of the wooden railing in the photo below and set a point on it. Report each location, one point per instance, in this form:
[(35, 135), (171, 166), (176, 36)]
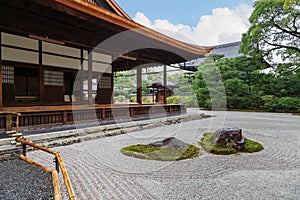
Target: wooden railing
[(59, 164), (51, 118)]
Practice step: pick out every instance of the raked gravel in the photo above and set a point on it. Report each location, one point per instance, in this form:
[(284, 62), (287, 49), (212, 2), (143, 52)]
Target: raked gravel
[(22, 181), (98, 170)]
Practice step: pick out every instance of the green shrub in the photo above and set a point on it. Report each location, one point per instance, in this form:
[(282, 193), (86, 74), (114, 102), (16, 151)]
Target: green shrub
[(173, 100), (133, 99), (288, 104), (189, 101), (146, 100), (269, 102), (121, 93)]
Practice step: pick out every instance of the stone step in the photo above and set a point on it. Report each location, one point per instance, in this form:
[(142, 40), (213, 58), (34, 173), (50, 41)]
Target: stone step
[(10, 132), (17, 134)]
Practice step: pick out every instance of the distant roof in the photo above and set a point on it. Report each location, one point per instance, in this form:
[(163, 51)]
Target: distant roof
[(229, 50)]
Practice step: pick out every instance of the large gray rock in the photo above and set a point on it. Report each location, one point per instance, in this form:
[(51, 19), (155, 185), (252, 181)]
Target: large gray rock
[(229, 137), (169, 142)]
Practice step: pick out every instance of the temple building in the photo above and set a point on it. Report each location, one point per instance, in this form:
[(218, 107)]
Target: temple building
[(58, 56)]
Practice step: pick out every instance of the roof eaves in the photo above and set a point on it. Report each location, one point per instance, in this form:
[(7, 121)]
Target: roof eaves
[(98, 12), (118, 9), (231, 44)]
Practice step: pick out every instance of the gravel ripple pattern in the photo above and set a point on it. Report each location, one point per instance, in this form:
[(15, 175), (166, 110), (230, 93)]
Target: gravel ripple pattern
[(99, 170)]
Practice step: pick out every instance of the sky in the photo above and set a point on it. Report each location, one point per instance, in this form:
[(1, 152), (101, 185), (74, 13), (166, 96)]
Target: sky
[(202, 22)]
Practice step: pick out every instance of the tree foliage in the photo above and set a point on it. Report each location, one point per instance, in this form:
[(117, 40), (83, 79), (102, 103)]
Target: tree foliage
[(274, 34), (243, 84), (289, 3)]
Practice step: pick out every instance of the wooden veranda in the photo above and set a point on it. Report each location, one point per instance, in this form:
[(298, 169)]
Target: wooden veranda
[(35, 117), (50, 58)]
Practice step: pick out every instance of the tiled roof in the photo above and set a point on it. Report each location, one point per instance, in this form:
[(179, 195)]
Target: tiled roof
[(229, 50)]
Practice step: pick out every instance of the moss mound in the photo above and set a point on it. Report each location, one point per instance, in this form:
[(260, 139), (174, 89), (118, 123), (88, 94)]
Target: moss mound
[(163, 153), (249, 147)]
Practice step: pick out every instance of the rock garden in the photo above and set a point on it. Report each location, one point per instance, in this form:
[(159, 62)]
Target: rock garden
[(223, 142)]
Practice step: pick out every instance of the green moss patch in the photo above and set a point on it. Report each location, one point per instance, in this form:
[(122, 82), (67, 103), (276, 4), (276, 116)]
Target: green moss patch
[(164, 153), (249, 147), (252, 146)]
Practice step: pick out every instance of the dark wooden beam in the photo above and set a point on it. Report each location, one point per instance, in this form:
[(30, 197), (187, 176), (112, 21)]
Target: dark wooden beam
[(41, 74), (81, 76), (16, 21), (90, 77), (165, 84), (139, 92), (1, 95)]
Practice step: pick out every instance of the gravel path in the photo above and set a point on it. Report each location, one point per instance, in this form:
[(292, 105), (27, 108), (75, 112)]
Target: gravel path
[(99, 171), (22, 181)]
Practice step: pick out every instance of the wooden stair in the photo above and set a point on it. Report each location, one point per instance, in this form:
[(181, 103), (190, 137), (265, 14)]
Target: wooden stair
[(14, 133)]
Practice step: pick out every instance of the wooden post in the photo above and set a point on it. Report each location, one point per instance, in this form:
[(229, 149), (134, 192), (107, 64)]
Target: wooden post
[(165, 84), (103, 114), (56, 186), (41, 77), (8, 122), (66, 178), (90, 77), (65, 117), (24, 149), (81, 75), (1, 101), (56, 164), (139, 92)]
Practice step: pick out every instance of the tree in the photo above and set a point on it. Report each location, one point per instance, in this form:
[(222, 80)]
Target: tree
[(238, 82), (274, 34), (124, 83), (208, 85), (288, 3), (184, 81)]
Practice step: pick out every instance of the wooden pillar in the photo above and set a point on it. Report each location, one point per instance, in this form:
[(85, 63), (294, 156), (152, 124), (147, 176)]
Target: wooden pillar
[(165, 84), (81, 76), (8, 120), (41, 77), (1, 101), (90, 77), (139, 92)]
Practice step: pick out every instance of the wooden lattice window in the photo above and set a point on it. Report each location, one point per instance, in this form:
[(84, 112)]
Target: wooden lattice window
[(104, 82), (53, 78), (8, 74)]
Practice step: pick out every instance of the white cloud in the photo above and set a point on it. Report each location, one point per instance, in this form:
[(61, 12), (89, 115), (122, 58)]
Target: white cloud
[(222, 26), (142, 19)]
